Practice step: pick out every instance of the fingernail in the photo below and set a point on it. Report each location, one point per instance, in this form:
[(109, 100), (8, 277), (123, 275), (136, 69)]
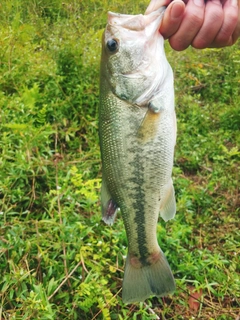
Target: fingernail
[(176, 11), (198, 3), (234, 3)]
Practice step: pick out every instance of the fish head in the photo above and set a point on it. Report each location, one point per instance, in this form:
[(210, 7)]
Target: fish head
[(133, 54)]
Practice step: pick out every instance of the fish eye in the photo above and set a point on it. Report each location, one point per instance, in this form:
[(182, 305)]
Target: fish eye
[(112, 45)]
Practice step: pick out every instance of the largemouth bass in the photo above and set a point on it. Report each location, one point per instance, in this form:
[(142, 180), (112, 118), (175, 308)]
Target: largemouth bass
[(137, 126)]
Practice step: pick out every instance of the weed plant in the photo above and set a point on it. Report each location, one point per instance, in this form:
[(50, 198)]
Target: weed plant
[(57, 258)]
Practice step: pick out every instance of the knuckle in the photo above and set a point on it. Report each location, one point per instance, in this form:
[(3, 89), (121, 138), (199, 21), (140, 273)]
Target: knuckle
[(214, 11), (216, 15), (196, 20)]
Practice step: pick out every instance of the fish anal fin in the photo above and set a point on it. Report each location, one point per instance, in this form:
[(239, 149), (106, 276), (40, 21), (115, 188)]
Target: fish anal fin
[(109, 207), (141, 282), (168, 202)]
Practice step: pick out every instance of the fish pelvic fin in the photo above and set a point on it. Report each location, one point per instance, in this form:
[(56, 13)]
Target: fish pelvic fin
[(168, 202), (141, 282), (108, 206)]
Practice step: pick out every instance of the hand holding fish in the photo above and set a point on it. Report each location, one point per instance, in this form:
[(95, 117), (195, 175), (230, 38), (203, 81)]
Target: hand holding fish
[(202, 24)]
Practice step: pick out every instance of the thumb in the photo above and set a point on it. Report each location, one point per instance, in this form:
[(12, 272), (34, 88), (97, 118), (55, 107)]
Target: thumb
[(172, 18)]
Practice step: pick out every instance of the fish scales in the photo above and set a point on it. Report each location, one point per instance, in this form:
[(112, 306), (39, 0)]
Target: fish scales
[(137, 129)]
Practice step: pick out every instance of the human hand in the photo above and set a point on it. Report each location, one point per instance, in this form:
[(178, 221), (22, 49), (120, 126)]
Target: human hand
[(215, 23)]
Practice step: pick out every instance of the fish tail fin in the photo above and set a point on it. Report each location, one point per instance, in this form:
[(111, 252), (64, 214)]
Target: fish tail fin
[(141, 282)]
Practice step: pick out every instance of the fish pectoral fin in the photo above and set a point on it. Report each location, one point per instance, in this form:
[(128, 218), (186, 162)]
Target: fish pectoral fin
[(109, 207), (168, 202), (149, 126)]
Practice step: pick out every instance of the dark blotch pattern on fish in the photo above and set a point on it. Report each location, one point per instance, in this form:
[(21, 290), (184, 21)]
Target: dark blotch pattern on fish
[(138, 195)]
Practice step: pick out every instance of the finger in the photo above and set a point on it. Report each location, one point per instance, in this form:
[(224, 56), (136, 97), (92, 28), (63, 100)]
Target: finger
[(172, 18), (230, 20), (236, 33), (213, 20), (192, 21), (156, 4)]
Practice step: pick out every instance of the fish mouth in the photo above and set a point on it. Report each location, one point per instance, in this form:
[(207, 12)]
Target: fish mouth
[(128, 21), (138, 22)]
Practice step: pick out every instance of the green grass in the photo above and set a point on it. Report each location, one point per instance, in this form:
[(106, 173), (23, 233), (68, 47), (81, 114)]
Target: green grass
[(57, 258)]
